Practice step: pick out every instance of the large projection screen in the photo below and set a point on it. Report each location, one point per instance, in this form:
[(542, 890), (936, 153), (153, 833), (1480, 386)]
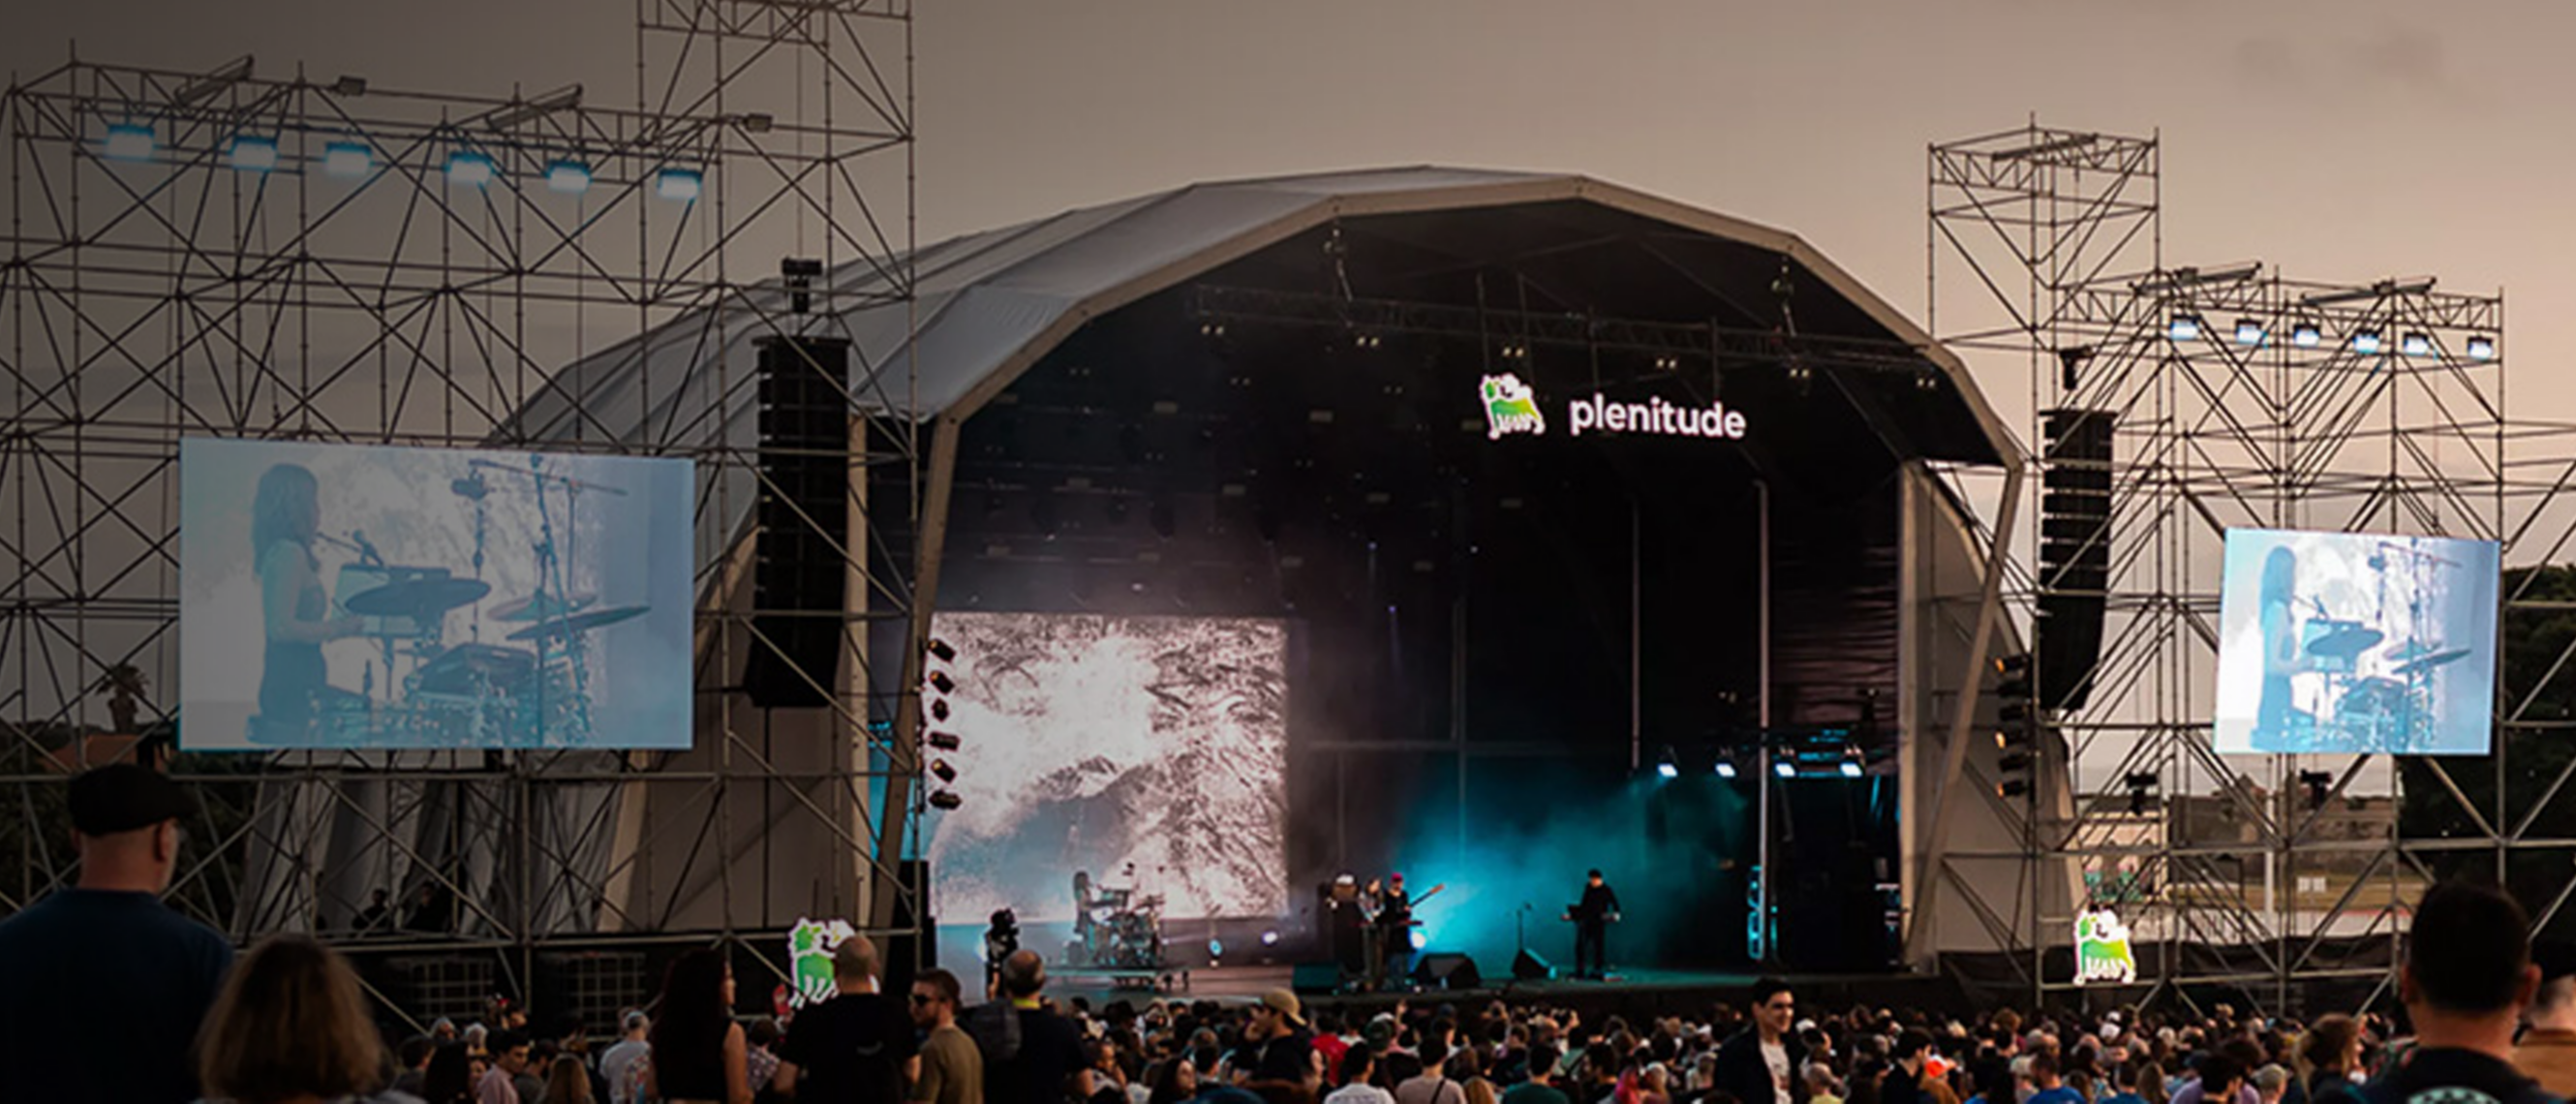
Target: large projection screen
[(1099, 744), (2356, 643), (362, 596)]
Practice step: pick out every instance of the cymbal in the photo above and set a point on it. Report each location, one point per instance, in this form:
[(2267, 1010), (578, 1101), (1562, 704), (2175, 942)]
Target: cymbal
[(2431, 661), (579, 622), (541, 608), (418, 597), (2345, 643)]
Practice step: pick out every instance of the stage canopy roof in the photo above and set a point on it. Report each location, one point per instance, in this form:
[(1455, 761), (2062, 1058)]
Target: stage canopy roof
[(992, 304)]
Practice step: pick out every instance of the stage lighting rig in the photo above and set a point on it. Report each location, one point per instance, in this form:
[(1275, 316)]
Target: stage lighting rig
[(1666, 766), (939, 684), (943, 741), (945, 801)]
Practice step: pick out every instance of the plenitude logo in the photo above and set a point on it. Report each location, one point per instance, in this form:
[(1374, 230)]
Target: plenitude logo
[(1511, 407)]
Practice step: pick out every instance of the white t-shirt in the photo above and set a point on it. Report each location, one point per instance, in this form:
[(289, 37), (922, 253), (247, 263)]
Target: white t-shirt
[(1776, 1056), (1361, 1093), (615, 1065)]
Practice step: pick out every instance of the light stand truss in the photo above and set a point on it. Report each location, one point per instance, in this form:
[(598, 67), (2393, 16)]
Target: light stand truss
[(2242, 398), (226, 254)]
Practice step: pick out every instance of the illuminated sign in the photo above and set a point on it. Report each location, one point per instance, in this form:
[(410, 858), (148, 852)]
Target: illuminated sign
[(2102, 949), (809, 952), (1654, 415), (1511, 407)]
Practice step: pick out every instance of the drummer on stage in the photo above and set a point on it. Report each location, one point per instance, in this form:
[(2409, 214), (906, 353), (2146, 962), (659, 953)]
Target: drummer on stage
[(285, 520)]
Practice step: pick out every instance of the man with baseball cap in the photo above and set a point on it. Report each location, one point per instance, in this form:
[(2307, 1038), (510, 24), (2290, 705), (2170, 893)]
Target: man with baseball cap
[(106, 984), (1281, 1050)]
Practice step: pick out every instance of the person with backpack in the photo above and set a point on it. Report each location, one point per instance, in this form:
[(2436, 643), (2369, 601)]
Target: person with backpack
[(1031, 1055)]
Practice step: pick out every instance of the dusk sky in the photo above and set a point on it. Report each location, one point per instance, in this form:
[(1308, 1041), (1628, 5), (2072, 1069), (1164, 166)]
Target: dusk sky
[(2340, 139)]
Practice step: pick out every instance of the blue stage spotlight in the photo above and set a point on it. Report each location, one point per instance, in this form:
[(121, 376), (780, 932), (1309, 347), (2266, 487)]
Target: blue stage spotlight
[(2306, 335), (252, 153), (469, 169), (348, 160), (2481, 348), (568, 177), (2365, 342), (1785, 768), (679, 185), (1666, 766), (1851, 768), (1725, 767), (131, 142), (2184, 327), (2415, 344), (1216, 949), (2249, 332)]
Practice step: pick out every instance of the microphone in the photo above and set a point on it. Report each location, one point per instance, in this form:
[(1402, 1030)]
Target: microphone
[(366, 549)]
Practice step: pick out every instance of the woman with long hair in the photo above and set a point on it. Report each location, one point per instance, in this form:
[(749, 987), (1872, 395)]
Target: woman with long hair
[(290, 1025), (699, 1053), (450, 1077), (2278, 620), (567, 1082), (1174, 1081), (2329, 1057), (285, 520)]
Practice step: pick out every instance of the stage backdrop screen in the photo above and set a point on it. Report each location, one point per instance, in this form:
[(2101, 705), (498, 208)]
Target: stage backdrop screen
[(358, 596), (1096, 744), (2355, 642)]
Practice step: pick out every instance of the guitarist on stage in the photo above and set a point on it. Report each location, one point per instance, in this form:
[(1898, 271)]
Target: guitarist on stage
[(1395, 923), (1592, 917)]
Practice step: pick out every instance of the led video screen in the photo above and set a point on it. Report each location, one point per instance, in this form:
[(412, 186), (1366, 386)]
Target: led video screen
[(2356, 643), (360, 596), (1145, 757)]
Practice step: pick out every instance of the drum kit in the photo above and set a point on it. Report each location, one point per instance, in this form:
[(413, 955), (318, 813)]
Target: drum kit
[(1117, 929), (2390, 712), (531, 691)]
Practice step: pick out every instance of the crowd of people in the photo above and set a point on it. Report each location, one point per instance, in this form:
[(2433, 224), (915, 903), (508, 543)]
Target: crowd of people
[(106, 995)]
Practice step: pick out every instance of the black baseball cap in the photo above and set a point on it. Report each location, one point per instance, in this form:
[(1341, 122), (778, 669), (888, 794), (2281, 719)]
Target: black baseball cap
[(123, 797)]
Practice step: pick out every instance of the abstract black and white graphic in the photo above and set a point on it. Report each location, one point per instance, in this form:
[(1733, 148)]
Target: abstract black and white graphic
[(1102, 745)]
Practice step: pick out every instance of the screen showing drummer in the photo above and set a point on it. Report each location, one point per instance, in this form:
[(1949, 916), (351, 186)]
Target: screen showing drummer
[(357, 596), (2356, 643)]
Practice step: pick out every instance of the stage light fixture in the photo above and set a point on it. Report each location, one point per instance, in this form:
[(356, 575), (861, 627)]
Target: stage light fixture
[(1666, 766), (939, 710), (941, 650), (2415, 344), (2249, 332), (1270, 937), (1420, 940), (943, 741), (2184, 327), (1216, 948), (940, 681), (252, 153), (1725, 767), (131, 142), (2365, 342), (945, 801), (568, 177), (1851, 768), (348, 160), (679, 185), (2306, 335), (1785, 767), (940, 769), (466, 168), (2012, 787), (2481, 347)]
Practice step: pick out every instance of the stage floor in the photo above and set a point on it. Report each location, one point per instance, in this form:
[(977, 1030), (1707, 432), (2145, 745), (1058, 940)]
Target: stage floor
[(1662, 991)]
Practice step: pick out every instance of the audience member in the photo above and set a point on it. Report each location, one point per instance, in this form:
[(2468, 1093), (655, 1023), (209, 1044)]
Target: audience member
[(698, 1052), (1757, 1065), (568, 1083), (1029, 1052), (617, 1063), (499, 1083), (290, 1026), (108, 952), (2466, 979)]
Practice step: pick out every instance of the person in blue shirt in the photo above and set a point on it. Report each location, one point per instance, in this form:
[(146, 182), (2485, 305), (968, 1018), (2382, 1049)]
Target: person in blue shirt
[(107, 986), (2044, 1078)]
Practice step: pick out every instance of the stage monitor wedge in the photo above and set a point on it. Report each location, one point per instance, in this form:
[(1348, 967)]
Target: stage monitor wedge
[(2356, 643)]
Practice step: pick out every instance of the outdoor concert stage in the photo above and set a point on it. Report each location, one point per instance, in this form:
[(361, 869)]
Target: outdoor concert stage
[(1628, 992)]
